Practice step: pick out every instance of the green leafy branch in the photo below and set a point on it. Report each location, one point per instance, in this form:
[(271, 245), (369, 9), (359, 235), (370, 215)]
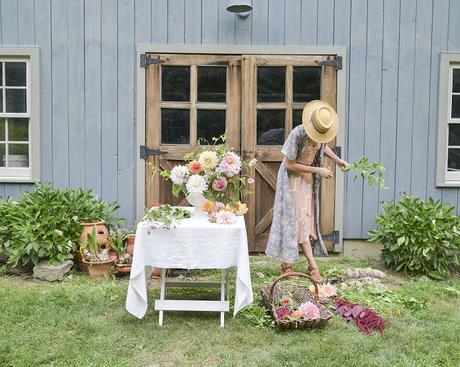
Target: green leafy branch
[(371, 172)]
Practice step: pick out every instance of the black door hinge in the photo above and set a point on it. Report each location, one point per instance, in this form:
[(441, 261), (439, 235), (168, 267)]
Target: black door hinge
[(146, 60), (336, 63), (148, 152), (338, 151), (334, 237)]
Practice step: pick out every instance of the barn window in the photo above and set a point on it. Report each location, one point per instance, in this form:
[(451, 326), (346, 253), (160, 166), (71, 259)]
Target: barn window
[(448, 164), (19, 152)]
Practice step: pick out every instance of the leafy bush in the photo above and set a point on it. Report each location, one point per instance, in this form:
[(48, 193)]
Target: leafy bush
[(45, 223), (419, 237)]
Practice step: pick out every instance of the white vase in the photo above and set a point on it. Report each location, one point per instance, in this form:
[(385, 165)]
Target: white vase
[(196, 200)]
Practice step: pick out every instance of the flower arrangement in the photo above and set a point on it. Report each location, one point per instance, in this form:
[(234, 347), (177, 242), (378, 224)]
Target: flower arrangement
[(289, 310), (215, 171)]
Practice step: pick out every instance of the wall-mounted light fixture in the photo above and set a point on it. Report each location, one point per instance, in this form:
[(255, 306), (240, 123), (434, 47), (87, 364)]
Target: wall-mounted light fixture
[(240, 7)]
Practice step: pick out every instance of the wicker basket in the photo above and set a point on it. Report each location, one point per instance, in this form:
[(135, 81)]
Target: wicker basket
[(272, 294)]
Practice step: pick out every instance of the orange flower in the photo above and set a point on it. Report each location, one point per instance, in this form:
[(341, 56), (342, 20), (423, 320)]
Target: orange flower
[(194, 167), (208, 206), (298, 314)]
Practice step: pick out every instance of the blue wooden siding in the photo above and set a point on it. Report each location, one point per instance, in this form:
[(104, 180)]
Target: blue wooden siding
[(87, 72)]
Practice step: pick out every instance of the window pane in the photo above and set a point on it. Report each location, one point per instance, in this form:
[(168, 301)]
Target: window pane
[(270, 127), (212, 83), (456, 81), (175, 126), (16, 100), (2, 155), (307, 83), (454, 134), (211, 123), (175, 83), (15, 73), (455, 106), (18, 129), (296, 117), (453, 159), (18, 155), (271, 83), (1, 100), (1, 73), (2, 130)]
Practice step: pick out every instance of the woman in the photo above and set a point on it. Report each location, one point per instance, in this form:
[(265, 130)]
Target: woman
[(293, 218)]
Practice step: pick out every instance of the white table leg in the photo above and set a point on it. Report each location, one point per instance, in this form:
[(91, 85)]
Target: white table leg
[(222, 295), (162, 293)]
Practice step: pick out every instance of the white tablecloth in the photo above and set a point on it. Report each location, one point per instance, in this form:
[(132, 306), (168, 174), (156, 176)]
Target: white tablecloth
[(194, 243)]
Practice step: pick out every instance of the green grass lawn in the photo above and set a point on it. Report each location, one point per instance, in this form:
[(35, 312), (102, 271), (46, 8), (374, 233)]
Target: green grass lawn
[(82, 322)]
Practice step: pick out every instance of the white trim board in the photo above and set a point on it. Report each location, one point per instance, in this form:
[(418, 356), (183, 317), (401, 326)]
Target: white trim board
[(241, 50)]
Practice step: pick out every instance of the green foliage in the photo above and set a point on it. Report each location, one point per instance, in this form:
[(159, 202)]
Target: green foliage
[(117, 239), (419, 237), (257, 315), (166, 214), (371, 172), (45, 223)]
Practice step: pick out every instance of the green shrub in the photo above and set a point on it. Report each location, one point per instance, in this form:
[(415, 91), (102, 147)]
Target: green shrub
[(419, 237), (45, 223)]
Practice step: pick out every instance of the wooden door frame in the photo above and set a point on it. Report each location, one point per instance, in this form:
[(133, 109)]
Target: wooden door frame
[(140, 116)]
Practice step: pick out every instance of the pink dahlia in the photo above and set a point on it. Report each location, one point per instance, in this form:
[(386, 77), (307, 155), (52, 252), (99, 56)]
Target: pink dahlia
[(220, 184), (231, 164), (283, 312), (310, 310)]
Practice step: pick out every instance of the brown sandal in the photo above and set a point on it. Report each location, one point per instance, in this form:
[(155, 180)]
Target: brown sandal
[(315, 274)]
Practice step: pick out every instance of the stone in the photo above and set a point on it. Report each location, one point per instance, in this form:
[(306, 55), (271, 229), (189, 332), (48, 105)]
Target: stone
[(378, 273), (352, 273), (45, 271), (260, 275)]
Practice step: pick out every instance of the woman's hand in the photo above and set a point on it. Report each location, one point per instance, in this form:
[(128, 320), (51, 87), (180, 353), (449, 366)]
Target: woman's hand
[(324, 172), (342, 163)]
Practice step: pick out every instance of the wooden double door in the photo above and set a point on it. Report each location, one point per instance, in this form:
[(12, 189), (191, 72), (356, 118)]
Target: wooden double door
[(255, 99)]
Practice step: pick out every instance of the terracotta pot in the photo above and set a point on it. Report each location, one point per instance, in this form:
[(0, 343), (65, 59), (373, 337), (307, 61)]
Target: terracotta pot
[(123, 268), (99, 270), (102, 234), (130, 244), (156, 273), (81, 265)]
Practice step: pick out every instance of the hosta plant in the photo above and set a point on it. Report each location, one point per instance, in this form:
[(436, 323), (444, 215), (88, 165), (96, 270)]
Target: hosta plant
[(419, 237), (45, 223)]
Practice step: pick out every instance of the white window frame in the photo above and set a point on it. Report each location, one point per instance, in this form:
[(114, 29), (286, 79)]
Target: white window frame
[(30, 55)]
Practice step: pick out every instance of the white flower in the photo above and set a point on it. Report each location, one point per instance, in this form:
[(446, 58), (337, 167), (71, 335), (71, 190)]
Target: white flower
[(179, 174), (252, 162), (208, 159), (250, 180), (196, 183), (225, 217)]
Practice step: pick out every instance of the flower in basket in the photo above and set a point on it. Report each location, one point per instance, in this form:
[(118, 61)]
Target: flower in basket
[(310, 310), (286, 301), (324, 291), (283, 312), (298, 314)]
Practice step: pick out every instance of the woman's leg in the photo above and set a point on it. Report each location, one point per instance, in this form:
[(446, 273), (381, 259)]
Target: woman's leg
[(306, 249)]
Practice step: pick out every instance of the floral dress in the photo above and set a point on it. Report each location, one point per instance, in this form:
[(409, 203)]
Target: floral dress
[(293, 219)]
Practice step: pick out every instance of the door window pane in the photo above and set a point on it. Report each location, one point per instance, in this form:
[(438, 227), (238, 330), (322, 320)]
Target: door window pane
[(16, 100), (455, 106), (212, 83), (15, 74), (175, 126), (175, 83), (296, 117), (2, 130), (2, 155), (18, 155), (454, 134), (1, 73), (18, 129), (211, 123), (271, 83), (456, 81), (453, 159), (270, 127), (306, 83), (1, 100)]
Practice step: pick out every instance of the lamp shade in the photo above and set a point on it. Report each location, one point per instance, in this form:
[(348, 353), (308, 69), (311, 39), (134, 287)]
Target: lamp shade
[(239, 6)]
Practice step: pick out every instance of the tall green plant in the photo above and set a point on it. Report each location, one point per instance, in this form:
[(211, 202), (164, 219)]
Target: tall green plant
[(419, 237), (45, 223)]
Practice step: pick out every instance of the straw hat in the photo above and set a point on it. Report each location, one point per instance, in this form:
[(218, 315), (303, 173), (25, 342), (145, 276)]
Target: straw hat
[(320, 121)]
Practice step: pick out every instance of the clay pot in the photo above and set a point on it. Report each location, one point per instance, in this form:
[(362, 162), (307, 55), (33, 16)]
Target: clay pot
[(156, 273), (99, 270), (123, 268), (130, 244), (81, 265), (102, 234)]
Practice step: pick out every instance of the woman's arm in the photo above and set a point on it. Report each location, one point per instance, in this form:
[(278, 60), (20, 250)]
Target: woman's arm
[(331, 155), (293, 166)]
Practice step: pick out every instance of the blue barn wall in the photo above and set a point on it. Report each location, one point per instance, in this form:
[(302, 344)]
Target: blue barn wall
[(87, 72)]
